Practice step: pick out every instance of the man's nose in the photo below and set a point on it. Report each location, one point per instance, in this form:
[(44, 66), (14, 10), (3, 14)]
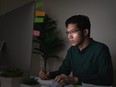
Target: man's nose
[(70, 36)]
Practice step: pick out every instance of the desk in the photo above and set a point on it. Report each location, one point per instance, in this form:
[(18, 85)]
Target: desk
[(49, 83)]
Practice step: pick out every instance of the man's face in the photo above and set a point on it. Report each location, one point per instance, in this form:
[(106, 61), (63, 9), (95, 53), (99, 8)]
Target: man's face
[(75, 36)]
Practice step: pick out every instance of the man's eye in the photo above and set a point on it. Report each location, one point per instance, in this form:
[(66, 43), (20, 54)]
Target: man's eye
[(67, 32), (72, 31)]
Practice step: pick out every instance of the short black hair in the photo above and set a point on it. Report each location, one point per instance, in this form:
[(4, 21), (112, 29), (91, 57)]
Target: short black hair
[(82, 22)]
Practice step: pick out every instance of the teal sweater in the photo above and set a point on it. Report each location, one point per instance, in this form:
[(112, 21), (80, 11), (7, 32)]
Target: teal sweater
[(92, 65)]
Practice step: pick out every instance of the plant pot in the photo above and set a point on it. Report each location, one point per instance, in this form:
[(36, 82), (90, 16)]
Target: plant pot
[(10, 82), (24, 85)]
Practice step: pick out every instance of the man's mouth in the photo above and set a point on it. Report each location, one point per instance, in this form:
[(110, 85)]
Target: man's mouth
[(71, 41)]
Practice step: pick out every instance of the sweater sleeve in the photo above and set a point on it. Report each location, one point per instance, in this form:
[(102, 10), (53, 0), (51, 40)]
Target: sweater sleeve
[(104, 76), (65, 68)]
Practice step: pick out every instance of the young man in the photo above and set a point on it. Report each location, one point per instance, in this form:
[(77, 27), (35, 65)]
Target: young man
[(88, 60)]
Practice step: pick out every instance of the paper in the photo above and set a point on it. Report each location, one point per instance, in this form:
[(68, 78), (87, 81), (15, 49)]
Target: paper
[(44, 82), (39, 4), (39, 20), (36, 33), (39, 13)]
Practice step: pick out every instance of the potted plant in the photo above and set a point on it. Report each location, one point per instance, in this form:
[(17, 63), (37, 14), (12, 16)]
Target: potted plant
[(50, 41), (30, 82), (11, 77)]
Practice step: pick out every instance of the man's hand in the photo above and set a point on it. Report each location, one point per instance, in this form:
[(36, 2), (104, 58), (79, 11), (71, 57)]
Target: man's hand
[(44, 75), (64, 79)]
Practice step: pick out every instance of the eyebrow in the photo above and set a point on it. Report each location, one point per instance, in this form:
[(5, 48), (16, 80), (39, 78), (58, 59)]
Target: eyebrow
[(73, 29)]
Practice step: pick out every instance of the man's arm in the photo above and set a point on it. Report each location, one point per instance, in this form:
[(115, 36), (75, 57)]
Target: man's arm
[(65, 68)]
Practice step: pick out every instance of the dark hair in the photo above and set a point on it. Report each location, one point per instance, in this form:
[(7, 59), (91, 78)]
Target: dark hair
[(82, 22)]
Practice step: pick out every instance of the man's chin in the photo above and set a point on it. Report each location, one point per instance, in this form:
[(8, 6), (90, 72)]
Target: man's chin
[(74, 44)]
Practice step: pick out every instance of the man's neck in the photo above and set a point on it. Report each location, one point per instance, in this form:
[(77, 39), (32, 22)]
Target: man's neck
[(85, 43)]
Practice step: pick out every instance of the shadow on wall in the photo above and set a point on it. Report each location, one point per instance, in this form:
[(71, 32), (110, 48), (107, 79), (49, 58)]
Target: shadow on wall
[(114, 78)]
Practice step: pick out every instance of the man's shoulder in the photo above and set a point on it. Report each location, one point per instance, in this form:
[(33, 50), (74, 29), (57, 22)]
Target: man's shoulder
[(98, 44)]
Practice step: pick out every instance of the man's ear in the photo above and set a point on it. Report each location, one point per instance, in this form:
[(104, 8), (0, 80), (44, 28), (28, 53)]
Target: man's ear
[(86, 32)]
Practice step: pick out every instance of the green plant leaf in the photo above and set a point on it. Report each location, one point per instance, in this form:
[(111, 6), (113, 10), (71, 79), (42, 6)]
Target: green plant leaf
[(49, 42)]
